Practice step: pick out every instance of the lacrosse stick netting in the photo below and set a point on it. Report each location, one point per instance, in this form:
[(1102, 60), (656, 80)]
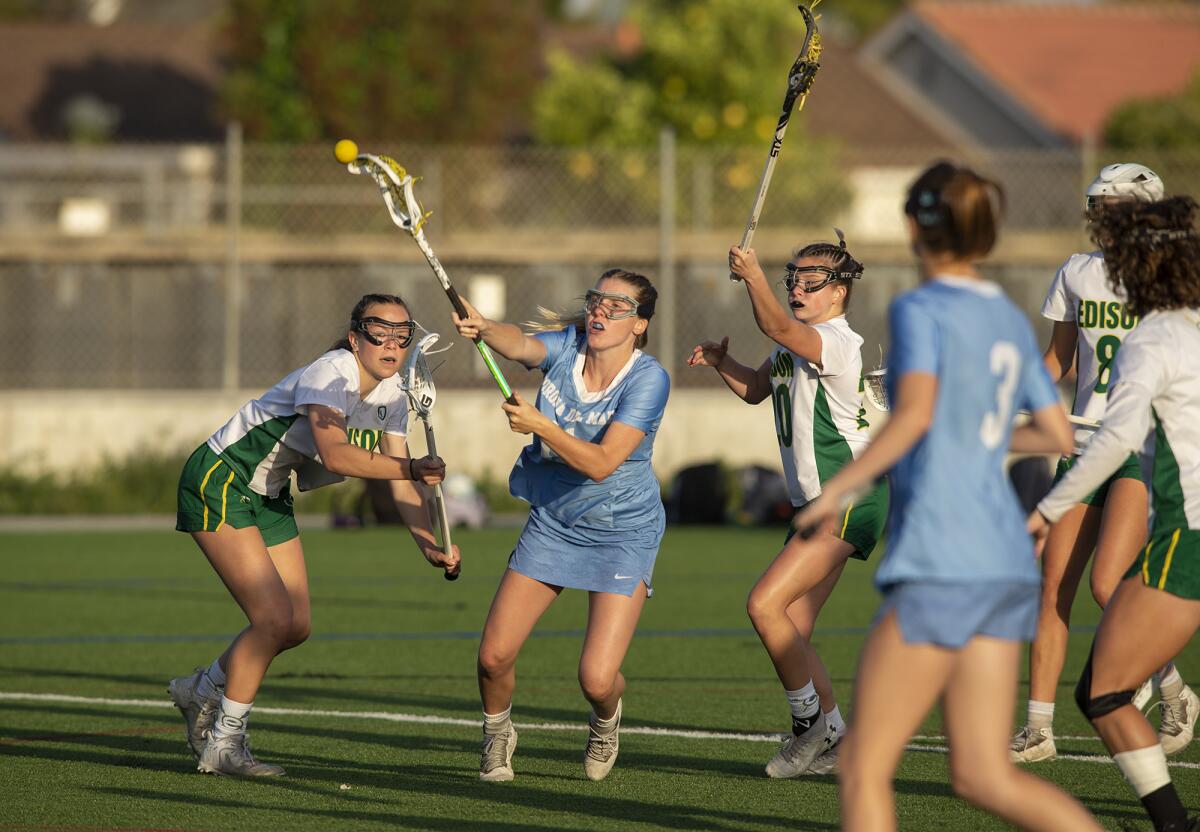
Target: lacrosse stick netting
[(396, 186)]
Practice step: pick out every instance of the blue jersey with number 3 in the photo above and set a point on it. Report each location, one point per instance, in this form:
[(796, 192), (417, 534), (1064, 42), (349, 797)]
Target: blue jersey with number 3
[(954, 516)]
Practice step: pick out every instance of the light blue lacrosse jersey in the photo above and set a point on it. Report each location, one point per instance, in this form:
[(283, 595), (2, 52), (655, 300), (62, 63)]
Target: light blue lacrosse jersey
[(628, 501), (954, 516)]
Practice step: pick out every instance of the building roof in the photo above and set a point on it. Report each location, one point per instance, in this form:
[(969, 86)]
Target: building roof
[(1072, 64), (850, 104), (161, 78)]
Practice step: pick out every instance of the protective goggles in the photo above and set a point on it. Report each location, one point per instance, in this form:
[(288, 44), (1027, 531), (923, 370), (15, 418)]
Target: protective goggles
[(799, 276), (379, 332), (615, 306)]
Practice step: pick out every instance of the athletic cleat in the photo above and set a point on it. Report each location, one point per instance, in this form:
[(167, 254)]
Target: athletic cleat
[(495, 765), (798, 754), (1177, 721), (1143, 695), (827, 760), (601, 751), (230, 755), (1032, 745), (198, 712)]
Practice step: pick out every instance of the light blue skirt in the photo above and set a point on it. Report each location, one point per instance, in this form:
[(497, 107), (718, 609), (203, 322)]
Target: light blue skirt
[(606, 564), (950, 615)]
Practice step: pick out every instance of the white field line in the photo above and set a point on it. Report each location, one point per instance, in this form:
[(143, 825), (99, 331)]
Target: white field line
[(429, 719)]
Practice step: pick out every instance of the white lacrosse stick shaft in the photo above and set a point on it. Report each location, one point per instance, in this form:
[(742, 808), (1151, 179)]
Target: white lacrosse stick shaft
[(439, 499)]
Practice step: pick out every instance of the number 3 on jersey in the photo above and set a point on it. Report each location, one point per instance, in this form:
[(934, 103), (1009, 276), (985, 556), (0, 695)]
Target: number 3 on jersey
[(781, 400), (1005, 362)]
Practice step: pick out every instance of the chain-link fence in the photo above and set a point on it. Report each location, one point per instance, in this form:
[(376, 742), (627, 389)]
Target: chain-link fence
[(227, 266)]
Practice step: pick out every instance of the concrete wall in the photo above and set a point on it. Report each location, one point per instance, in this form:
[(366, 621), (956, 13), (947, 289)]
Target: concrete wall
[(73, 430)]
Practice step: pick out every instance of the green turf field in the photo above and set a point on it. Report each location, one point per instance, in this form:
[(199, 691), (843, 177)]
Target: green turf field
[(102, 621)]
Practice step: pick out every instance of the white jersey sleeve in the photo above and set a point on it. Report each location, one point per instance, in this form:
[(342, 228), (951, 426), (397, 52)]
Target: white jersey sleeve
[(840, 349), (1059, 305), (397, 423), (326, 382)]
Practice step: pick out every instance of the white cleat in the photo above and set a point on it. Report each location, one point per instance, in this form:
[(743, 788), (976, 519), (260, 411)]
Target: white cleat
[(601, 752), (827, 760), (1143, 695), (798, 754), (495, 765), (1032, 745), (230, 756), (198, 712), (1177, 721)]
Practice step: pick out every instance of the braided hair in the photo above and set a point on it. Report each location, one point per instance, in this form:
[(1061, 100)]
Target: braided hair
[(840, 260)]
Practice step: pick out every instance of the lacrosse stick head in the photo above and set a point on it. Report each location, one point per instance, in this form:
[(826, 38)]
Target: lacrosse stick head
[(417, 378), (804, 70), (875, 388), (396, 186)]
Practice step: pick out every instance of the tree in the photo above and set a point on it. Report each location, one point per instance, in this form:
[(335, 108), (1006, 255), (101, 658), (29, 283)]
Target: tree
[(713, 70), (445, 70), (1161, 123)]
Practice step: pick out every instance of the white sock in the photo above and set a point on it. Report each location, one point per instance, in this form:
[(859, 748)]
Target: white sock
[(231, 719), (496, 723), (1171, 684), (833, 719), (605, 726), (208, 687), (1145, 769), (805, 704), (1040, 714)]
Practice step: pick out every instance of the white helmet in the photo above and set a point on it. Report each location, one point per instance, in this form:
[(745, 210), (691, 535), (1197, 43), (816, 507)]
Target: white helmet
[(1127, 179)]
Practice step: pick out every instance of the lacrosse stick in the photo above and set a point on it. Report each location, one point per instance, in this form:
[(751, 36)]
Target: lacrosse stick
[(800, 80), (422, 393), (873, 386), (396, 185)]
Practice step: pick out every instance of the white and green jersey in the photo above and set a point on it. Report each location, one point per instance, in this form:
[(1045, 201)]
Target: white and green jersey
[(270, 436), (819, 414), (1153, 409), (1080, 294)]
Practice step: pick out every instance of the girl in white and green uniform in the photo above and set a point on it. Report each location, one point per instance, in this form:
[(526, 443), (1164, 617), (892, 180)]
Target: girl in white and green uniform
[(1091, 321), (345, 414), (1153, 255), (814, 381)]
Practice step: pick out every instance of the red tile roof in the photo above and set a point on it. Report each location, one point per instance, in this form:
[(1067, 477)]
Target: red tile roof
[(1073, 64)]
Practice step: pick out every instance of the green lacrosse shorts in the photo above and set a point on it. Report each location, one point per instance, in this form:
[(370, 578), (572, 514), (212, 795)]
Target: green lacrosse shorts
[(1130, 469), (211, 495), (862, 523), (1170, 562)]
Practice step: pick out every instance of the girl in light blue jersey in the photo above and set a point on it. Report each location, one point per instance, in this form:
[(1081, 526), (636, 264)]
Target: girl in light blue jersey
[(959, 579), (596, 518)]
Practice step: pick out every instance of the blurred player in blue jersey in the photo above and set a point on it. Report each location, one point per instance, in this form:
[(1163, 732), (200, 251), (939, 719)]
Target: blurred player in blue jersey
[(597, 516), (959, 580)]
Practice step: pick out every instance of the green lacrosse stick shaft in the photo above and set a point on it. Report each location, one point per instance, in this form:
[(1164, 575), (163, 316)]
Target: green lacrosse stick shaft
[(456, 302)]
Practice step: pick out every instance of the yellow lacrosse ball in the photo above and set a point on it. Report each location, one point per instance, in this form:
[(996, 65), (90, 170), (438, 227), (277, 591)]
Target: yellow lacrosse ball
[(345, 151)]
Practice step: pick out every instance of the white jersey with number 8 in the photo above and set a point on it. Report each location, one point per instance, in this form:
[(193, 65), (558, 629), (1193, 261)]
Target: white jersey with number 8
[(819, 415), (1080, 294)]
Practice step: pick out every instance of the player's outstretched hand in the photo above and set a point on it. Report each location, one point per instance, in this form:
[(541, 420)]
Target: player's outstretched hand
[(522, 416), (450, 562), (708, 353), (1039, 527), (474, 326), (744, 264), (429, 469)]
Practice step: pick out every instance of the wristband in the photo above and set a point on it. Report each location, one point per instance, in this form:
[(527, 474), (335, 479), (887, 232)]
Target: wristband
[(411, 475)]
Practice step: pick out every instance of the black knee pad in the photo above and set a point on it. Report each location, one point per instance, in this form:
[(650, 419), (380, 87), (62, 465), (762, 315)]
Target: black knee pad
[(1095, 707)]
